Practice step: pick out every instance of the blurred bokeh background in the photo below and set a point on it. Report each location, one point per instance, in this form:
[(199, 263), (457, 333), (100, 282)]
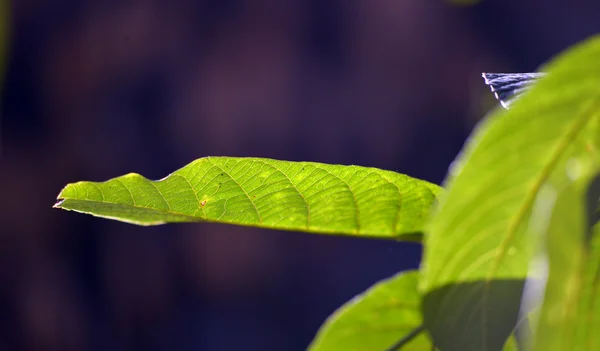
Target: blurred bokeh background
[(93, 89)]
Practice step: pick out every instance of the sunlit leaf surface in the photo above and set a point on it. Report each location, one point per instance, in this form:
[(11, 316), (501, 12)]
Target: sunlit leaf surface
[(570, 315), (302, 196), (477, 250), (376, 319)]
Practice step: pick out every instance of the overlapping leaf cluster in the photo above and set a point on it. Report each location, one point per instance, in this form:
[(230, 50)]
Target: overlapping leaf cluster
[(511, 248)]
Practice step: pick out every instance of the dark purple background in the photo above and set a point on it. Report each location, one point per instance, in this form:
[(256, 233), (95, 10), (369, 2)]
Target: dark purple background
[(95, 89)]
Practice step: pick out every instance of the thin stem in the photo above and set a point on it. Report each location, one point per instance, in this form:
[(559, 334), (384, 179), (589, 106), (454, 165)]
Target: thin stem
[(408, 337)]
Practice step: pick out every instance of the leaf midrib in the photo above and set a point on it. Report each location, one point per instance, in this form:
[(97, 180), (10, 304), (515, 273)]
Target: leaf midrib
[(556, 156)]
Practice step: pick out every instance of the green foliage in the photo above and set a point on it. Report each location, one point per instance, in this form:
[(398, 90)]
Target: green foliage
[(376, 319), (303, 196), (525, 190), (570, 315), (478, 248)]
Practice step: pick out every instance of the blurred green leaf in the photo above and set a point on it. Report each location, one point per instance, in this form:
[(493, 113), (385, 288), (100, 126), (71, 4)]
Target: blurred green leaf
[(302, 196), (570, 315), (376, 319), (379, 318), (476, 251)]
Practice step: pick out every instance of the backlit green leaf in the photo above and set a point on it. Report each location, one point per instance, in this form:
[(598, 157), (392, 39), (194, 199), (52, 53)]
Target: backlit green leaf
[(302, 196), (377, 319), (570, 316), (477, 251)]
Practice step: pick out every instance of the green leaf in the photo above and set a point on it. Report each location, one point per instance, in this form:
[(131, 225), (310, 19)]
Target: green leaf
[(302, 196), (570, 315), (477, 251), (377, 319)]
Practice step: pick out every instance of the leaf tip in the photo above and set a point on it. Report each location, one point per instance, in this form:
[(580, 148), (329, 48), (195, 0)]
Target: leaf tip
[(58, 203)]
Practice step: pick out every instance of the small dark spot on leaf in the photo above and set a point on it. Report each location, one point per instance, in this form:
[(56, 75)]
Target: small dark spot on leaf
[(221, 173), (203, 203)]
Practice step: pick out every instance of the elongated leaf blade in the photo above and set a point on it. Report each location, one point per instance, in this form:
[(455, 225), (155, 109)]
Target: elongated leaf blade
[(477, 251), (301, 196), (570, 315)]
